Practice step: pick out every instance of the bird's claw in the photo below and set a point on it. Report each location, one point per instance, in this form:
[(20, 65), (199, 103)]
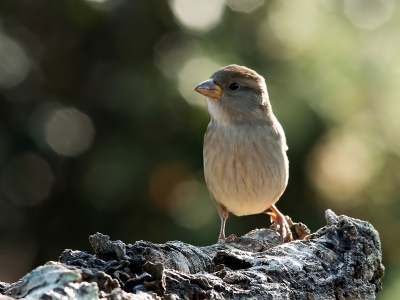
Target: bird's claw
[(280, 224), (229, 239)]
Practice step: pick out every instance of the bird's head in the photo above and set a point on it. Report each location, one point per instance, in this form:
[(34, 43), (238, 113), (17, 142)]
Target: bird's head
[(236, 94)]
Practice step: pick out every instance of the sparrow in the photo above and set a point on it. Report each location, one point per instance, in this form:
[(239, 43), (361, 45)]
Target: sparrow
[(246, 168)]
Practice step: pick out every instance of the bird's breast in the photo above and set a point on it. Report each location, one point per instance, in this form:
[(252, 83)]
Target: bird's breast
[(245, 167)]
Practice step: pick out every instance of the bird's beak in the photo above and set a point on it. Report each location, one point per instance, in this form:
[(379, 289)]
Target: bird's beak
[(209, 89)]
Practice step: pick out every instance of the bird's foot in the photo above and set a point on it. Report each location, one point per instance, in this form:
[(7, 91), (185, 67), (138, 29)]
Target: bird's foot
[(225, 240), (280, 223)]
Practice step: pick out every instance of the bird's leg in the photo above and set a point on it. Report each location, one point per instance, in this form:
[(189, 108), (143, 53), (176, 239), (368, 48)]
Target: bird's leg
[(222, 230), (279, 219), (224, 214)]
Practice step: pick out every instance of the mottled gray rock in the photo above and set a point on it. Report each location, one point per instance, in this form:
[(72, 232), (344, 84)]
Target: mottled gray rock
[(340, 261), (54, 281)]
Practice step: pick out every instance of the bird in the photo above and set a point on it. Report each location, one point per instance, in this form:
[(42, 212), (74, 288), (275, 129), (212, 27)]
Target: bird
[(246, 167)]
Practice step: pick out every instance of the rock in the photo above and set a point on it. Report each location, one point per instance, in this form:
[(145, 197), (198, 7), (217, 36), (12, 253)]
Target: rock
[(340, 261)]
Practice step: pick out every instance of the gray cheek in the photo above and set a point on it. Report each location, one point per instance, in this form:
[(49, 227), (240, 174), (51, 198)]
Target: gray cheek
[(245, 101)]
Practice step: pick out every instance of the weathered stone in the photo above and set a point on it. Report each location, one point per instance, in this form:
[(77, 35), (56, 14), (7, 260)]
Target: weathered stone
[(340, 261)]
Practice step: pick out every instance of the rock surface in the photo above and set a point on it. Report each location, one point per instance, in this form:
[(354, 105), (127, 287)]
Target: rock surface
[(342, 260)]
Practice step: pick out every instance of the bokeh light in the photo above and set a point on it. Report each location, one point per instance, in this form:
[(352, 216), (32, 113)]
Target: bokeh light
[(14, 63), (369, 14), (342, 166), (244, 5), (69, 132), (193, 205), (173, 50), (164, 179), (197, 15), (194, 71), (293, 23), (104, 5)]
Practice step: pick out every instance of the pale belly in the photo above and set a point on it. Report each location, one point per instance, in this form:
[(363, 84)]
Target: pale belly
[(244, 173)]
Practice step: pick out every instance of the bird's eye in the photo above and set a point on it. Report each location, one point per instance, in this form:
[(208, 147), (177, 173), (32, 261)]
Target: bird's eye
[(234, 86)]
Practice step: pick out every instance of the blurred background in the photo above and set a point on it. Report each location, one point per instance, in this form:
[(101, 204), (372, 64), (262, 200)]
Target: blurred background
[(100, 130)]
